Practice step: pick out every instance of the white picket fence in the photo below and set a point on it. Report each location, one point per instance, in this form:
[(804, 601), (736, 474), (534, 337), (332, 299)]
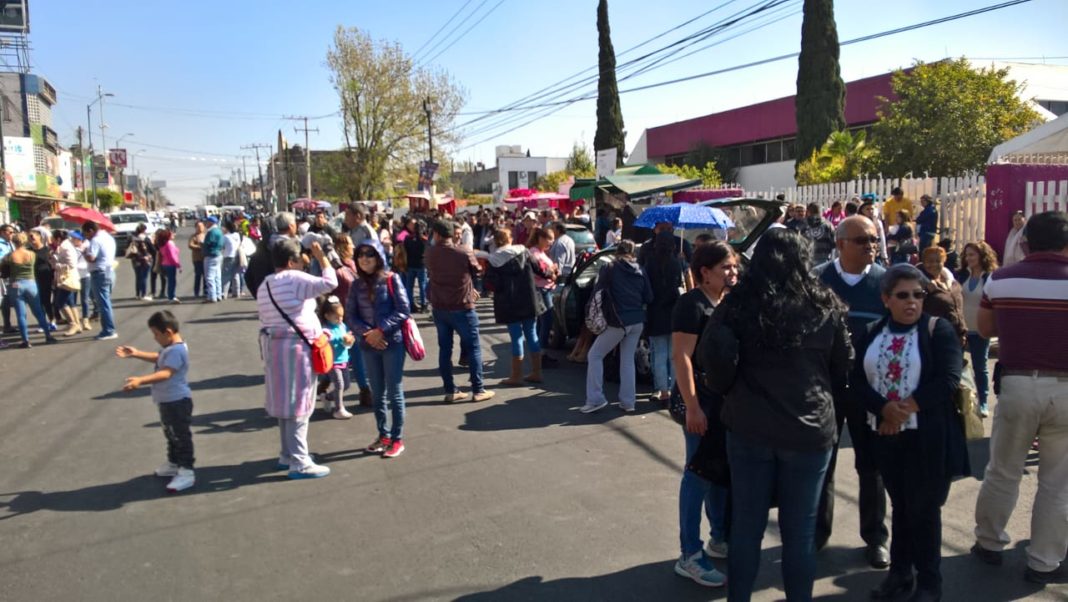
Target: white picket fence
[(962, 201), (1046, 196)]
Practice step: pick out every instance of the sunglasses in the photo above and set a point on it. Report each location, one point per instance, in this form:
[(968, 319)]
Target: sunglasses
[(863, 240), (904, 295), (369, 254)]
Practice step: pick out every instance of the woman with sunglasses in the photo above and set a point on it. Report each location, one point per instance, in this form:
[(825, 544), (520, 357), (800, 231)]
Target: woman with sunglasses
[(376, 308), (906, 371)]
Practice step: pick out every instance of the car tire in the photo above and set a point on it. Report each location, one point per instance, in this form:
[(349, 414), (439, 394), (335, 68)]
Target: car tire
[(556, 339)]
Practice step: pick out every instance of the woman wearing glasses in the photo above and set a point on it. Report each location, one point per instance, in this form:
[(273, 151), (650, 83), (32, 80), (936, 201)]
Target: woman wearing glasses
[(906, 371), (376, 308)]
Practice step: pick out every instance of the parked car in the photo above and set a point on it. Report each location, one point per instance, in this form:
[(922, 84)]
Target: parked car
[(751, 218), (584, 242), (126, 222)]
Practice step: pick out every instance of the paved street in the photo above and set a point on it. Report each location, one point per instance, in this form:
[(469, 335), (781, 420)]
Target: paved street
[(521, 498)]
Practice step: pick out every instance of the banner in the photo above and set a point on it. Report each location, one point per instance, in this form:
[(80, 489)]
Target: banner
[(117, 156), (606, 162), (65, 173), (427, 169), (18, 158)]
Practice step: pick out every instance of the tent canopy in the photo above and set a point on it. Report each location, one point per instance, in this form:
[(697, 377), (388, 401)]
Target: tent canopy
[(631, 185), (1050, 138)]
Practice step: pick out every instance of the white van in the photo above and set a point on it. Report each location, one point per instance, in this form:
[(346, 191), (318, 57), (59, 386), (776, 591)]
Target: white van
[(203, 211)]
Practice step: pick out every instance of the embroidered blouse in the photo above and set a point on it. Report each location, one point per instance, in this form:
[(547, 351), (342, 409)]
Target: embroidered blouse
[(892, 365)]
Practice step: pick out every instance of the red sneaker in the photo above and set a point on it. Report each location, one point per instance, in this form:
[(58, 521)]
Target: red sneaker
[(380, 444), (394, 450)]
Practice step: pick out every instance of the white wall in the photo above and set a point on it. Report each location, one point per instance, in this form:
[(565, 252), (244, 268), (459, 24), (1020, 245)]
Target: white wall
[(766, 176), (541, 165)]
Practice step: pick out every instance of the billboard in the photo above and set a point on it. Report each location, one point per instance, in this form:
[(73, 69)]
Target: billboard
[(18, 157), (65, 172), (14, 16), (117, 157)]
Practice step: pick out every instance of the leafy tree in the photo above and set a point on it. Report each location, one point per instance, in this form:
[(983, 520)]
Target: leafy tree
[(820, 100), (105, 197), (381, 93), (709, 175), (947, 118), (610, 133), (580, 162), (843, 157), (551, 182)]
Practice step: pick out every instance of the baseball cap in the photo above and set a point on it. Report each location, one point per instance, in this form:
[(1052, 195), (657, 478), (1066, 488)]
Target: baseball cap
[(76, 234), (213, 219), (530, 215)]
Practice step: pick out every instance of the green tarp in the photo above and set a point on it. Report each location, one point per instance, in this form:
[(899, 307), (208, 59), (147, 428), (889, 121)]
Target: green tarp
[(631, 185)]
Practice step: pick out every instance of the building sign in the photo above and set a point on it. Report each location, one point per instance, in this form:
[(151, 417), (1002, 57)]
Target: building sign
[(65, 172), (427, 169), (18, 158), (14, 16), (606, 162), (117, 156), (100, 172)]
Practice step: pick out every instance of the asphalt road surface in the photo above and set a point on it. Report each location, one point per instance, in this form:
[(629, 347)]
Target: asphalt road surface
[(519, 498)]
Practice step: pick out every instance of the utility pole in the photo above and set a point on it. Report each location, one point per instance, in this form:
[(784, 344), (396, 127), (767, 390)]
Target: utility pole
[(89, 131), (430, 148), (307, 153), (3, 158), (244, 175), (81, 148), (103, 140), (259, 170)]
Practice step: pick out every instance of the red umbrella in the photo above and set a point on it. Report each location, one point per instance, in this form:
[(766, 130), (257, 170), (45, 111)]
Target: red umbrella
[(80, 215)]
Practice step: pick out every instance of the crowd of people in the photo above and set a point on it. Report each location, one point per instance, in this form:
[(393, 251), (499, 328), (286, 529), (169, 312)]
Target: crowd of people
[(838, 320)]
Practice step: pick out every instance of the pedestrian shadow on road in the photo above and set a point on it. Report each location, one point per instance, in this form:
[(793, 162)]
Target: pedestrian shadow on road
[(541, 409), (112, 496), (245, 420), (228, 381), (224, 319)]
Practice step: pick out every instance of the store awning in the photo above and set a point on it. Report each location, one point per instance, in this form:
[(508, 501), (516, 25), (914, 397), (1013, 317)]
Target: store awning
[(648, 185)]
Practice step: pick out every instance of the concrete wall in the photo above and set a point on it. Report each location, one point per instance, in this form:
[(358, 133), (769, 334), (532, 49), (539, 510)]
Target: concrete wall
[(763, 177)]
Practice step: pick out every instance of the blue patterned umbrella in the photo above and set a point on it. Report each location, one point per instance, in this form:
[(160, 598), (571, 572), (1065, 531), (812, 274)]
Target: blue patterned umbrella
[(684, 216)]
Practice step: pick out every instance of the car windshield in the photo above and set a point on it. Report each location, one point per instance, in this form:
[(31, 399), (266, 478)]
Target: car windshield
[(746, 218), (583, 236), (128, 218), (588, 275)]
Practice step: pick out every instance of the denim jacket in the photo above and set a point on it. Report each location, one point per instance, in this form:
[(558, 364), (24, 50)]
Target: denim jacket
[(390, 311)]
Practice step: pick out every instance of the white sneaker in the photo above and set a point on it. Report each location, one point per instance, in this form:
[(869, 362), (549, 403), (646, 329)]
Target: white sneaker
[(185, 479), (146, 298), (167, 469), (700, 569), (313, 471), (591, 407), (716, 549), (342, 414), (457, 396)]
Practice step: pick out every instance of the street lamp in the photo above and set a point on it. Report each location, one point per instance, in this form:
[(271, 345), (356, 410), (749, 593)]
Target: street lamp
[(100, 96)]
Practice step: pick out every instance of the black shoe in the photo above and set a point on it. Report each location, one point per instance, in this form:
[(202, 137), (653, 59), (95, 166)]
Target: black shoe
[(878, 556), (549, 362), (51, 341), (988, 556), (25, 345), (1057, 575), (464, 362), (896, 584), (925, 595)]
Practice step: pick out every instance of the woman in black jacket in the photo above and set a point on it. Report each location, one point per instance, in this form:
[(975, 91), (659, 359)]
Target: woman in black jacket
[(516, 303), (907, 370), (792, 354)]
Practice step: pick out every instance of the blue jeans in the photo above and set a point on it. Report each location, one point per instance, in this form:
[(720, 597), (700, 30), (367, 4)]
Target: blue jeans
[(516, 331), (102, 283), (545, 320), (979, 348), (465, 323), (757, 474), (695, 492), (24, 292), (385, 370), (663, 372), (230, 283), (170, 278), (87, 292), (141, 280), (213, 278), (411, 275), (357, 370), (198, 277)]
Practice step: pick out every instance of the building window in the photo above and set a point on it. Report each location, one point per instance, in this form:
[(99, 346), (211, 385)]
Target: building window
[(789, 149), (532, 178), (513, 180), (774, 151)]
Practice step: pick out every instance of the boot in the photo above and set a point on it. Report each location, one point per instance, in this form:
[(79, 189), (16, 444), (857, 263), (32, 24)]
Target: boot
[(535, 368), (71, 313), (86, 324), (516, 379)]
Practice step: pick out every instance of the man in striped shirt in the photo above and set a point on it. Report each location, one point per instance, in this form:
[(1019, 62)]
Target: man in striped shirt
[(1026, 307)]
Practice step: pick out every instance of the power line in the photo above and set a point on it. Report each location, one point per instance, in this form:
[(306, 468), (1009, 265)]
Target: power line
[(466, 31), (458, 26), (440, 29), (564, 103)]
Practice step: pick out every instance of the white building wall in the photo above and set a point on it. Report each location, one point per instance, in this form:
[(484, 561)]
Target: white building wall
[(763, 177), (525, 165)]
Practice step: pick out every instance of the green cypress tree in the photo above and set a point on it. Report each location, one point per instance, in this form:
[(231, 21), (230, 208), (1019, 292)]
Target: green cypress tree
[(820, 101), (610, 133)]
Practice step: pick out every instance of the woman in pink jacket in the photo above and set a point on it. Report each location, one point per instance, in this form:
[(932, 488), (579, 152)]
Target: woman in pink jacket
[(169, 263)]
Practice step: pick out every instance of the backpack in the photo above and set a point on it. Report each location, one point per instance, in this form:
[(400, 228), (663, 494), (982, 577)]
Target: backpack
[(601, 311)]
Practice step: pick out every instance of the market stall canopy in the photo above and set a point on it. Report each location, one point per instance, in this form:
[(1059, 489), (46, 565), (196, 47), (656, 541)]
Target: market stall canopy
[(632, 185), (80, 215), (1047, 140), (696, 195), (310, 205)]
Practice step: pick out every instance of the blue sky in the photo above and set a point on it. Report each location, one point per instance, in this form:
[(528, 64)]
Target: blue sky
[(234, 68)]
